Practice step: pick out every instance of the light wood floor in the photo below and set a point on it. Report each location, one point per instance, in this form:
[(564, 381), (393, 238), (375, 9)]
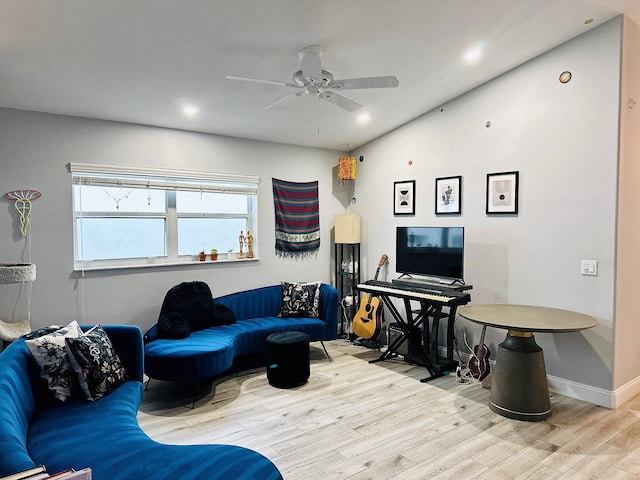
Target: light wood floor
[(354, 420)]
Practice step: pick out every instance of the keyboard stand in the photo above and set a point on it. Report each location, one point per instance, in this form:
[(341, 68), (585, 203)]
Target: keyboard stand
[(408, 327), (430, 337)]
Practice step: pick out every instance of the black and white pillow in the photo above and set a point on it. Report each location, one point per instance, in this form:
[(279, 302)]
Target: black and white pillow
[(50, 353), (300, 299), (96, 363)]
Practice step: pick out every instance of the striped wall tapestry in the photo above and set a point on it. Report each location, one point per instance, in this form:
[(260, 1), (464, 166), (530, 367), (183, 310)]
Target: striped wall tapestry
[(297, 218)]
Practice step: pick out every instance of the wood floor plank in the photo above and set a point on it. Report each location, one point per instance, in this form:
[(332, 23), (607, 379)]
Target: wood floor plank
[(631, 463), (584, 443), (617, 474), (466, 469), (311, 466), (597, 465), (384, 469), (629, 438), (538, 472), (528, 458)]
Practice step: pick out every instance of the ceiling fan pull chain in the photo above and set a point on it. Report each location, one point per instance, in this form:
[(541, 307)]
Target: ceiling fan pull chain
[(318, 103)]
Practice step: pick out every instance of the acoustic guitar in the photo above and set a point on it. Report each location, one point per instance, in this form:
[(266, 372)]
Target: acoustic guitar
[(479, 362), (368, 319)]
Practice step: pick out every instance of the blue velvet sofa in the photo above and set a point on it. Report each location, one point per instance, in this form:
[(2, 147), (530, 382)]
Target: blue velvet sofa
[(104, 435), (210, 352)]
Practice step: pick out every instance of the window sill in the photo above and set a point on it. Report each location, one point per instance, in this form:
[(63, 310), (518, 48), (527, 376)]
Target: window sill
[(153, 263)]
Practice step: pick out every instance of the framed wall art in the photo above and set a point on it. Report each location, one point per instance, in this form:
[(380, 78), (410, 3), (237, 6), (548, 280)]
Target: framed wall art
[(404, 197), (502, 193), (448, 195)]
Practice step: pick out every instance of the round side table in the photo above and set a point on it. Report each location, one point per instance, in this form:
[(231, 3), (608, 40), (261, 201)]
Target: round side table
[(519, 388)]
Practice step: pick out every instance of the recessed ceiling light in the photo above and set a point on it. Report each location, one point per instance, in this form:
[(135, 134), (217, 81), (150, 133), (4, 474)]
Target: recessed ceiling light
[(474, 53), (588, 21), (364, 117), (190, 110)]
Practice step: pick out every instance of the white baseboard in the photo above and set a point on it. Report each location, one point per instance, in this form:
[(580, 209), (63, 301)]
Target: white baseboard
[(580, 391), (598, 396), (626, 392)]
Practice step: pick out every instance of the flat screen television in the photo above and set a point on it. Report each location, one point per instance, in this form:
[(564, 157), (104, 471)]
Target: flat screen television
[(434, 252)]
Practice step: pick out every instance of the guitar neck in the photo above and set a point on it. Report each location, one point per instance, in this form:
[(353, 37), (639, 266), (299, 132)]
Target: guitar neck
[(382, 261), (484, 330), (375, 277)]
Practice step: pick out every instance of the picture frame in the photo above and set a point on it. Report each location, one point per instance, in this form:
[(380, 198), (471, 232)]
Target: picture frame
[(448, 195), (404, 197), (502, 193)]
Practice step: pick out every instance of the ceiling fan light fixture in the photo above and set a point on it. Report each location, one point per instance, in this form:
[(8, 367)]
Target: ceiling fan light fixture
[(315, 50), (299, 79)]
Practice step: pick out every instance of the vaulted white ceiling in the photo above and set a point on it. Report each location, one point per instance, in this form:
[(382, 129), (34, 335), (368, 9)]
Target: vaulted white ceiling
[(142, 61)]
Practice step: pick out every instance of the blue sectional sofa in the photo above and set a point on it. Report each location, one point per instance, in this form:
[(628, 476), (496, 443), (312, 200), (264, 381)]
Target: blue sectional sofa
[(210, 352), (104, 435)]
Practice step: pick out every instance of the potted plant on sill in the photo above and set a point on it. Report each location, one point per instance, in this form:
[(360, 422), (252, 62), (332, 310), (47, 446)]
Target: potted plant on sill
[(214, 254), (202, 256)]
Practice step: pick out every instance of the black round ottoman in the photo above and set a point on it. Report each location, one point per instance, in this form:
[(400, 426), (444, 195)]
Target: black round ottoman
[(288, 359)]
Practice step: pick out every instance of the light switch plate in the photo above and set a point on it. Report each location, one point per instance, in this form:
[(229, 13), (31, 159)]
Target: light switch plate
[(589, 267)]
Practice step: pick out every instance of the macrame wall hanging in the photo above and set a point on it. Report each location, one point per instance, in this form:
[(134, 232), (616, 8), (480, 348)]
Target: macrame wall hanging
[(22, 203)]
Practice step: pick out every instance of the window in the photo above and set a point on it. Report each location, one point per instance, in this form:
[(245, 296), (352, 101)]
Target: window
[(130, 216)]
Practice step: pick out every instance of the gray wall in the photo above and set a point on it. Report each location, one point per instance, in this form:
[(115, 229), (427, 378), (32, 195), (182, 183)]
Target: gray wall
[(34, 151), (563, 139)]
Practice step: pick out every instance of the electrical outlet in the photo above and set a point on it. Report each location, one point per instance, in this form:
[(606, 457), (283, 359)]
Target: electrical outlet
[(589, 267)]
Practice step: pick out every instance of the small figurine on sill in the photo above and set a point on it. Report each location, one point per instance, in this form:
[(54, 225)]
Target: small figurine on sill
[(241, 239), (249, 239)]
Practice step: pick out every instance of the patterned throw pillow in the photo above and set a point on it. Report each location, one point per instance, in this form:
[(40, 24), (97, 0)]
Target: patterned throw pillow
[(96, 363), (300, 300), (50, 354)]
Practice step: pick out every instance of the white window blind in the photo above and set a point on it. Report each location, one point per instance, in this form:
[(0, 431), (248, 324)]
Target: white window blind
[(162, 178)]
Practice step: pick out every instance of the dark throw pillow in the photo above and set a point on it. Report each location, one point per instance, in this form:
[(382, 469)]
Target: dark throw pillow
[(51, 356), (189, 307), (173, 325), (41, 332), (224, 316), (191, 300), (96, 363), (300, 299)]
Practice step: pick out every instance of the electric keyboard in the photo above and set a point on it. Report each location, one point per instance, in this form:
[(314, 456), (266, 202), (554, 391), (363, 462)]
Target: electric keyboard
[(445, 297)]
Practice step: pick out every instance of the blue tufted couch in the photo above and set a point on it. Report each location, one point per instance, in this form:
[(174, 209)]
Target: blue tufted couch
[(103, 435), (209, 352)]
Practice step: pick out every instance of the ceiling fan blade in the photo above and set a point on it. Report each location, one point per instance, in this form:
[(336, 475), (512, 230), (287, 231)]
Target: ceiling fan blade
[(365, 82), (310, 63), (339, 100), (285, 100), (259, 80)]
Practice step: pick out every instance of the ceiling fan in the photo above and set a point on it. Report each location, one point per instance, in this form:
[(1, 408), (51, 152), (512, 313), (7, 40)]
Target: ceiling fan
[(312, 79)]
